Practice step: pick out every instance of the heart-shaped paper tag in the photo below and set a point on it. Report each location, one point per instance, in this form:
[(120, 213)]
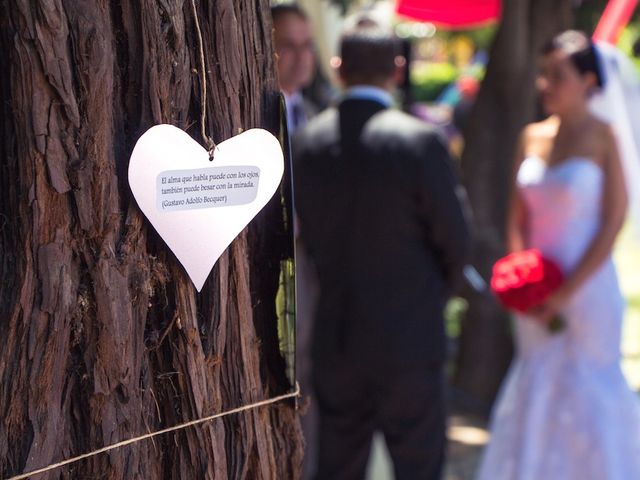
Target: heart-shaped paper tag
[(199, 206)]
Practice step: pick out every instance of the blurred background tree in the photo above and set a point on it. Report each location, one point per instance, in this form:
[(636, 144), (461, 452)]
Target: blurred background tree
[(505, 103)]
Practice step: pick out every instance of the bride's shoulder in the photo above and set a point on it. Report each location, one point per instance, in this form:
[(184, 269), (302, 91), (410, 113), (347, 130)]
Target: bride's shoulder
[(601, 132), (599, 126), (599, 138)]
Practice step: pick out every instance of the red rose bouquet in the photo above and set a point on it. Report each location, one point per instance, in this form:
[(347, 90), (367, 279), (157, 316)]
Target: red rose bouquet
[(524, 280)]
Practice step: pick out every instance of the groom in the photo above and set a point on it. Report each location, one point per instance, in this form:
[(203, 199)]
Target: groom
[(382, 215)]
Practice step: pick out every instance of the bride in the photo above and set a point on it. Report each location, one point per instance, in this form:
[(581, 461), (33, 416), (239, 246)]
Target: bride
[(565, 411)]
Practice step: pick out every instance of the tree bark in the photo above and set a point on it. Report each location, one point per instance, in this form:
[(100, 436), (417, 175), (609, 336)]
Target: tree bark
[(506, 102), (104, 337)]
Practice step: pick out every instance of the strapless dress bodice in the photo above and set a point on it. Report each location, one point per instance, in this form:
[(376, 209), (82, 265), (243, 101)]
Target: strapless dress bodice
[(563, 203)]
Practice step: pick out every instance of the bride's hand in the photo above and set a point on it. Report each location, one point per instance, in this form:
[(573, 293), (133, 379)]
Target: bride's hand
[(546, 312), (542, 314)]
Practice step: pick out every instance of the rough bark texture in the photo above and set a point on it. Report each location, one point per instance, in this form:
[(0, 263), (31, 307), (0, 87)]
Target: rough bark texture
[(104, 337), (506, 102)]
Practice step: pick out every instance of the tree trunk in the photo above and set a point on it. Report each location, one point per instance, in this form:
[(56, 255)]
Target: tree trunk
[(104, 336), (506, 102)]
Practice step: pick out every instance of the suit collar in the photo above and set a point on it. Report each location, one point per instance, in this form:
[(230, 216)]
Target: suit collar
[(368, 92)]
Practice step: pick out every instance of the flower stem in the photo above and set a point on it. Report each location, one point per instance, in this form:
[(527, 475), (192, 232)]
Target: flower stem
[(557, 324)]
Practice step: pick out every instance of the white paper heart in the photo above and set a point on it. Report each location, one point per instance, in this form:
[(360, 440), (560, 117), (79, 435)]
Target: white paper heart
[(199, 206)]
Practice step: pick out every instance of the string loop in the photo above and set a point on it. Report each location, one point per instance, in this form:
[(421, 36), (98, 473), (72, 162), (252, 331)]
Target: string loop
[(210, 144)]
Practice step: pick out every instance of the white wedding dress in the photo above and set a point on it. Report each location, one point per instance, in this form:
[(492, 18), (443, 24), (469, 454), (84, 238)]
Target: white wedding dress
[(565, 411)]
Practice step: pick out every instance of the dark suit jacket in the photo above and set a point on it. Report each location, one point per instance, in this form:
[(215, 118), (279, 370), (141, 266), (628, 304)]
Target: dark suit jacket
[(382, 215)]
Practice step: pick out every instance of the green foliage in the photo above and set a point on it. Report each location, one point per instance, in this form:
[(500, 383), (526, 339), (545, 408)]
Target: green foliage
[(343, 4), (482, 37), (454, 313), (286, 313), (588, 14), (630, 35), (430, 79)]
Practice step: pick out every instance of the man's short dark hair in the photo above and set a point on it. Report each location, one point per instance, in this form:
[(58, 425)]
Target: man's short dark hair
[(282, 9), (368, 52)]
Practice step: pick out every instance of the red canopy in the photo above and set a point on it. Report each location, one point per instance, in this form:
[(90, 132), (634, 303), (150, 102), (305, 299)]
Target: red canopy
[(451, 13)]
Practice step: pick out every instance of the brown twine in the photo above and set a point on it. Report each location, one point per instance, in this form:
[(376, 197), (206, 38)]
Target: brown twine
[(211, 145), (181, 426)]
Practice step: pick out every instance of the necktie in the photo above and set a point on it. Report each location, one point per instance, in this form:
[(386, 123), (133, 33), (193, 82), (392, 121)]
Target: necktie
[(298, 117)]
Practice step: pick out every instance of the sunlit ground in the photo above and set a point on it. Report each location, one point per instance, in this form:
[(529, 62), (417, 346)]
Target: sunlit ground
[(467, 435), (627, 256)]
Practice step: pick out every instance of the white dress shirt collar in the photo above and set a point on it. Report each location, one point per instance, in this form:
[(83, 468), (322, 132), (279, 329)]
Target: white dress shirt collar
[(369, 92)]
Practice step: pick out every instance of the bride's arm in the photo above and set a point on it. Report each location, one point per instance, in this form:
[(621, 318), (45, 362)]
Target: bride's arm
[(516, 215), (614, 206), (516, 222)]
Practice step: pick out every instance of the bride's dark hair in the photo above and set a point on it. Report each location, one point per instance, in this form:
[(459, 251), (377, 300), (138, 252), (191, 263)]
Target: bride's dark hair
[(581, 51)]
